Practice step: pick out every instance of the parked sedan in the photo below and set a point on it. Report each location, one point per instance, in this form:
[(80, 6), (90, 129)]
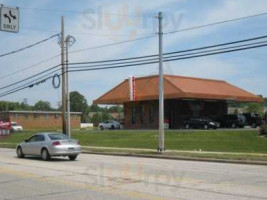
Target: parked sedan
[(47, 145), (109, 124), (253, 119), (15, 127), (200, 122), (233, 121)]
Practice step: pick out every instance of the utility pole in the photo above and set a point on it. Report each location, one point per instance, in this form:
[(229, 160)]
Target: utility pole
[(70, 40), (63, 71), (161, 146)]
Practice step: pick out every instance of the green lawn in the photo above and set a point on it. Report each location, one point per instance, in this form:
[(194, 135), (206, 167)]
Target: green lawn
[(221, 141)]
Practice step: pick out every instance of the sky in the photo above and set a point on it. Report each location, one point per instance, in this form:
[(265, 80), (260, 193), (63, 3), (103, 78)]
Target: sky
[(96, 23)]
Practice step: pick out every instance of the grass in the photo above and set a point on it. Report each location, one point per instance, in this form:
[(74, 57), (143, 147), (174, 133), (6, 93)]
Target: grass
[(247, 141)]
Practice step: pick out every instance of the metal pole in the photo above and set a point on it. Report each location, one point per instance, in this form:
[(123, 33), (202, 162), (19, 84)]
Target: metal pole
[(161, 146), (67, 88), (63, 71)]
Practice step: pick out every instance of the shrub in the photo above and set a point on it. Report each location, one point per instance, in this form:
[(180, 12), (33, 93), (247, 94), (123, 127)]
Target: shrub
[(263, 130)]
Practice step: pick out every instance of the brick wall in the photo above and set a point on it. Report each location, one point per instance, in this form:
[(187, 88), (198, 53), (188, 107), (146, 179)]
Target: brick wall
[(42, 121)]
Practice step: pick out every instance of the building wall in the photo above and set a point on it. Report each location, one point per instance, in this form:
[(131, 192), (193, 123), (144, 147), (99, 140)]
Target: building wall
[(42, 121), (176, 111)]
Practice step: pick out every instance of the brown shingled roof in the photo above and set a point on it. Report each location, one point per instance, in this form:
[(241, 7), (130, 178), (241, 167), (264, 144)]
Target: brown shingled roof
[(177, 87)]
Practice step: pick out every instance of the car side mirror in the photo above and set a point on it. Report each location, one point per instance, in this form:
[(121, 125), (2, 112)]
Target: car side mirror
[(26, 141)]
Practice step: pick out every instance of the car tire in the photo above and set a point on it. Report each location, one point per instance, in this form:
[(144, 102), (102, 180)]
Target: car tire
[(45, 154), (233, 125), (20, 153), (101, 128), (112, 127), (73, 157), (254, 125), (206, 127), (187, 126)]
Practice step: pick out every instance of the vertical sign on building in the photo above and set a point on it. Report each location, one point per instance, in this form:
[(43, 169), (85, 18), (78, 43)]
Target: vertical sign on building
[(9, 19), (132, 91)]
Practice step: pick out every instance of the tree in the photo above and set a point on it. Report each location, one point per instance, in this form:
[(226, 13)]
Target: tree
[(94, 108), (78, 103), (43, 106), (254, 108)]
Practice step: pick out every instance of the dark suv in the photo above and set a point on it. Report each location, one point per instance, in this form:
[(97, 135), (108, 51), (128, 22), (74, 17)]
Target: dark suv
[(200, 122), (233, 121), (253, 119)]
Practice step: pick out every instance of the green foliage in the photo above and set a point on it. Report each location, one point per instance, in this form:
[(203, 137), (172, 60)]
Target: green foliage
[(254, 108), (42, 106), (78, 103)]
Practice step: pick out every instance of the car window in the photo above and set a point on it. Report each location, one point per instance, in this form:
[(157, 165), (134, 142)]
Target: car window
[(32, 139), (58, 137), (40, 138), (14, 124)]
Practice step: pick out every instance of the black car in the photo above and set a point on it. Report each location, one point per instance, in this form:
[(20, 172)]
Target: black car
[(253, 119), (233, 121), (200, 122)]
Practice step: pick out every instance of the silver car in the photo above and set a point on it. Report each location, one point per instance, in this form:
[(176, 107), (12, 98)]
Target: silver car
[(49, 144)]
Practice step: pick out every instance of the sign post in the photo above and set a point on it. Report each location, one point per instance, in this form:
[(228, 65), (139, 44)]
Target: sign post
[(9, 19)]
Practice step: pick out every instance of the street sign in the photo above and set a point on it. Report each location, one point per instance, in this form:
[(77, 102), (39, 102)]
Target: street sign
[(9, 19)]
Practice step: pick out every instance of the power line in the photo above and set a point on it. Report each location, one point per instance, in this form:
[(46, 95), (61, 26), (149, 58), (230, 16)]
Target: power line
[(27, 47), (112, 44), (17, 82), (85, 12), (170, 59), (166, 59), (29, 67), (216, 23), (175, 52)]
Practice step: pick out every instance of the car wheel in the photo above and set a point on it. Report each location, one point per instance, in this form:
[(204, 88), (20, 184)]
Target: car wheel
[(233, 125), (73, 157), (206, 126), (101, 128), (45, 155), (112, 127), (20, 152), (254, 125)]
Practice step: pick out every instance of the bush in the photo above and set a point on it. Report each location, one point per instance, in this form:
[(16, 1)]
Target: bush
[(263, 130)]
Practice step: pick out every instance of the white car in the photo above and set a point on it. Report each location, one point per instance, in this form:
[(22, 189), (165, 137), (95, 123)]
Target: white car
[(15, 127), (109, 124)]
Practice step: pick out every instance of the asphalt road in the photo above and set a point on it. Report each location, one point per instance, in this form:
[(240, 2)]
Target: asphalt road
[(113, 178)]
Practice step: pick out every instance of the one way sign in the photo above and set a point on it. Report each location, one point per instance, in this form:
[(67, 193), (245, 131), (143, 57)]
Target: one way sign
[(9, 19)]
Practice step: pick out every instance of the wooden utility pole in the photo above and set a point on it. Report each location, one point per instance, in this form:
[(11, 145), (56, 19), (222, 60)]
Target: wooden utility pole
[(63, 71)]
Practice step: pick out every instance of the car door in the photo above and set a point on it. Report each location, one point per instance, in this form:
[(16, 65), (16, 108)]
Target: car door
[(27, 146), (37, 144)]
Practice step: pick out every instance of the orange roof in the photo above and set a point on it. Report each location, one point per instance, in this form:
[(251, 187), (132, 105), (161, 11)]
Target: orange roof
[(177, 87)]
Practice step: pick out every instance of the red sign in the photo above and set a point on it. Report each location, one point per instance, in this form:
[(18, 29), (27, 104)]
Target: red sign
[(5, 127)]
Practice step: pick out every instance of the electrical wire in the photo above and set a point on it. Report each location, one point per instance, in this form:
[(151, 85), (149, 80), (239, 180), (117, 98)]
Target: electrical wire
[(216, 23), (168, 60), (112, 44), (28, 78), (27, 47), (175, 52), (29, 67)]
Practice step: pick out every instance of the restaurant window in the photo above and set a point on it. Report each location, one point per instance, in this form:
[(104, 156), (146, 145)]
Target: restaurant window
[(142, 116), (133, 115), (26, 115), (56, 116), (46, 116), (16, 115), (151, 119)]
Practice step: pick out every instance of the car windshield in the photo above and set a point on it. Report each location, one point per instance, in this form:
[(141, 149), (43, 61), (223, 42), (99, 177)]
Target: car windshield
[(14, 123), (58, 137)]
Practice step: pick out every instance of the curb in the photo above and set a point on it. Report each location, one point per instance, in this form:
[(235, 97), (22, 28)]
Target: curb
[(246, 162)]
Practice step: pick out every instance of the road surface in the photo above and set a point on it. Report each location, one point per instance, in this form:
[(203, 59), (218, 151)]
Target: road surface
[(114, 178)]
